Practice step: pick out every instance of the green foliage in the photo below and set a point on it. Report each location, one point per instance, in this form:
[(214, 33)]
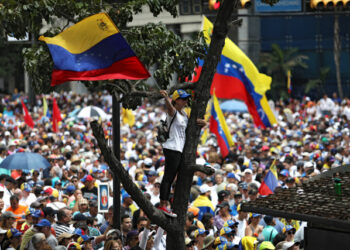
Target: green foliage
[(157, 46), (10, 58), (317, 84), (277, 63), (153, 44)]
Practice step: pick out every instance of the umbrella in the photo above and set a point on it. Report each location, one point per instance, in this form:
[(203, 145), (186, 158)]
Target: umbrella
[(92, 111), (234, 106), (25, 161)]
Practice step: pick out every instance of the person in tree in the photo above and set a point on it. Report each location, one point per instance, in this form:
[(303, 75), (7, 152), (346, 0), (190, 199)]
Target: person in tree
[(173, 147)]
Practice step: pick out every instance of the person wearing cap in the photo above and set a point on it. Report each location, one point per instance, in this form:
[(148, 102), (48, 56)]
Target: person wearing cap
[(93, 212), (14, 237), (203, 202), (223, 215), (254, 228), (248, 177), (199, 236), (65, 238), (289, 232), (174, 145), (132, 239), (31, 217), (27, 196), (195, 221), (269, 232), (44, 226), (89, 188), (8, 219)]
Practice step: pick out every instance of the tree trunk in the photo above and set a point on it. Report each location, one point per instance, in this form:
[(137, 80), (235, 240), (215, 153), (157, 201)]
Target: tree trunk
[(202, 95), (175, 227), (337, 47)]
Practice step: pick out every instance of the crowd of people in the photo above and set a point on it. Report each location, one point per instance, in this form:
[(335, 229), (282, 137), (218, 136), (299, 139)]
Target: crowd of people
[(57, 207)]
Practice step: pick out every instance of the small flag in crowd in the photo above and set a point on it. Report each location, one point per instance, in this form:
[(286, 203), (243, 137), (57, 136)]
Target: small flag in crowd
[(45, 107), (93, 50), (128, 117), (56, 116), (27, 118), (270, 181), (289, 81), (219, 127)]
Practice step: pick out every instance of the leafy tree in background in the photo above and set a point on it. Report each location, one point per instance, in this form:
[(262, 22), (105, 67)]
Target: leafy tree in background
[(276, 64)]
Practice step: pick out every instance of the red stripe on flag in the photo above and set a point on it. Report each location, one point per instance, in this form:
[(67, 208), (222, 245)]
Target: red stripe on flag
[(214, 128), (130, 68)]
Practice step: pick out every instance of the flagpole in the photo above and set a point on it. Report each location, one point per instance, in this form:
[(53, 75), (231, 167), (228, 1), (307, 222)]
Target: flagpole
[(116, 150)]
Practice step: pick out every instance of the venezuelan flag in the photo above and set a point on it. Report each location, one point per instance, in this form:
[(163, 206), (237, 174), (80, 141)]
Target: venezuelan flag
[(237, 77), (92, 50), (270, 181), (219, 127)]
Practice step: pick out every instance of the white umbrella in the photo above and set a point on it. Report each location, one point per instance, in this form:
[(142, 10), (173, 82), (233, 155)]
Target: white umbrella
[(92, 112)]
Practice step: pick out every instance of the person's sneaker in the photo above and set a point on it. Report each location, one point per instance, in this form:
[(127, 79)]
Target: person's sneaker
[(168, 212)]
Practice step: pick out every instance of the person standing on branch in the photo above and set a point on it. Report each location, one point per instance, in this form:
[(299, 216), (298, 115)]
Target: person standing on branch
[(173, 146)]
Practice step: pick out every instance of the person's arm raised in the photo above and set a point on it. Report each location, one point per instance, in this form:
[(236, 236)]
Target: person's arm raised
[(170, 108)]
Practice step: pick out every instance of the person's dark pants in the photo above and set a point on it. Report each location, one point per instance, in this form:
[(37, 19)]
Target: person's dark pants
[(172, 164)]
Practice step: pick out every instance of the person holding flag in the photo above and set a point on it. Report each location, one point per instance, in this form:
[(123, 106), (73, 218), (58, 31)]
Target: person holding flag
[(174, 145)]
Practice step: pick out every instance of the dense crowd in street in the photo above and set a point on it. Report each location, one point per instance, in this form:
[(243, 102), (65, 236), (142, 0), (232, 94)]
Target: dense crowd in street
[(57, 207)]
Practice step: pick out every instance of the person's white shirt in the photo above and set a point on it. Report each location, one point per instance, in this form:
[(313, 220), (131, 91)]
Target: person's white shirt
[(242, 224), (27, 201), (177, 133)]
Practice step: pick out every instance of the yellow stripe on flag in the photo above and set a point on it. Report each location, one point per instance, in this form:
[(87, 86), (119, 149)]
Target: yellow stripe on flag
[(222, 120), (85, 34)]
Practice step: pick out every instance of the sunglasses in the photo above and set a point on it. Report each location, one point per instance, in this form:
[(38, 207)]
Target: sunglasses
[(290, 232)]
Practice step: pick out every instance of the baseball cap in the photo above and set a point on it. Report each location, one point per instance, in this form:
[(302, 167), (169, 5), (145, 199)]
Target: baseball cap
[(180, 93), (13, 232), (222, 194), (200, 231), (232, 175), (43, 223), (225, 230), (8, 214), (230, 223), (73, 245), (79, 231), (204, 188), (248, 170), (132, 233), (64, 235), (84, 238), (224, 204), (87, 178), (220, 240), (288, 228), (284, 172), (266, 245), (70, 189), (289, 244), (255, 215), (78, 217), (193, 210)]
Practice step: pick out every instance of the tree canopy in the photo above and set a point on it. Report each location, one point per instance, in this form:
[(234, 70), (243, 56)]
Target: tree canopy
[(50, 17)]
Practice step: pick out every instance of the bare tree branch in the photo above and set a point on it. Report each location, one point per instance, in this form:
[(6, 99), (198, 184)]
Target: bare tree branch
[(156, 95), (204, 169), (154, 214)]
